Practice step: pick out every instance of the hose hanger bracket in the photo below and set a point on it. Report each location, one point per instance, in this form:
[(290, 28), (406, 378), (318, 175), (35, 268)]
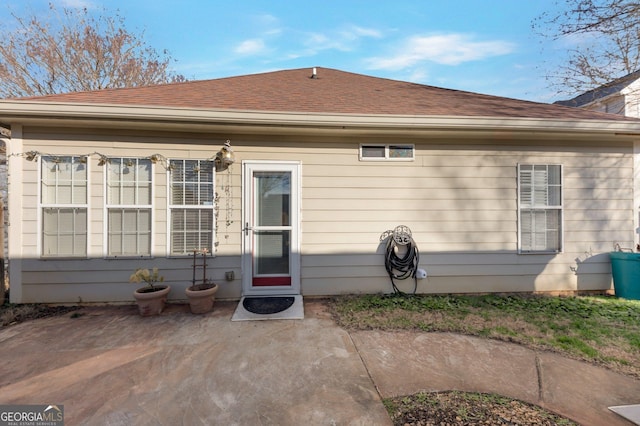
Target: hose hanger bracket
[(402, 235)]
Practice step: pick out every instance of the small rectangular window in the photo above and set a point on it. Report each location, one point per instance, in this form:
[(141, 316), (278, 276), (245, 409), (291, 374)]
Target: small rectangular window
[(387, 152), (63, 203), (540, 207), (373, 151), (129, 206), (400, 151)]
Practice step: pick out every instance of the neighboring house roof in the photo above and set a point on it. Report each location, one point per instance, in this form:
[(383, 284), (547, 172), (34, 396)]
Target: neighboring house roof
[(331, 91), (611, 88)]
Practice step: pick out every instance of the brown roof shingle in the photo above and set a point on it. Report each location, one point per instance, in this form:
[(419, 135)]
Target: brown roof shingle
[(333, 91)]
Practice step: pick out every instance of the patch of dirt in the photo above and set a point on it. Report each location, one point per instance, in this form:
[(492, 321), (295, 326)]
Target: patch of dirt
[(468, 409), (14, 314)]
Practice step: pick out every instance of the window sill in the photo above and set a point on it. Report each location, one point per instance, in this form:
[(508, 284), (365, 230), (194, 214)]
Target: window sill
[(540, 252), (46, 258), (130, 257)]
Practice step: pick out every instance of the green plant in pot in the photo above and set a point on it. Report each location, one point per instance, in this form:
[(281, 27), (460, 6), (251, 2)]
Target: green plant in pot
[(152, 297), (201, 295)]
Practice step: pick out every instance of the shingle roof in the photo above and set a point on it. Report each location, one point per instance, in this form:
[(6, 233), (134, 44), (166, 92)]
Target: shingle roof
[(332, 91)]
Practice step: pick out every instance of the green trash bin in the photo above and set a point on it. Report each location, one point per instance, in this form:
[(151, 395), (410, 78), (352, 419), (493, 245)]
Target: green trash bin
[(625, 268)]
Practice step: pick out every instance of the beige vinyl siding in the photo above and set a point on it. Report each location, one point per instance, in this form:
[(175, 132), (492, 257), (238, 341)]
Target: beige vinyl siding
[(460, 202), (459, 199), (103, 279)]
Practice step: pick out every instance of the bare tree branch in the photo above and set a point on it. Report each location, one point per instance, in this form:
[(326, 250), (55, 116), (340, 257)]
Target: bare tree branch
[(609, 47), (77, 51)]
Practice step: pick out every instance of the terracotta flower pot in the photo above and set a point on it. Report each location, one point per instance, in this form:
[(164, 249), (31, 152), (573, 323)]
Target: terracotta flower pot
[(201, 297), (151, 300)]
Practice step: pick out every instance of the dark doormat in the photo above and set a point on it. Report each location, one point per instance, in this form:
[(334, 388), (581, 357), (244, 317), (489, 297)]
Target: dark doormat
[(267, 305)]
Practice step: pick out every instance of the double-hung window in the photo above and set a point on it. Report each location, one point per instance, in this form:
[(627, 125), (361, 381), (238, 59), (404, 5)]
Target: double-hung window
[(129, 206), (540, 207), (191, 204), (63, 200)]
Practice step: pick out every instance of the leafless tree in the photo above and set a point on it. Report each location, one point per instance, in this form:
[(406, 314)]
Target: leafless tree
[(606, 39), (76, 51)]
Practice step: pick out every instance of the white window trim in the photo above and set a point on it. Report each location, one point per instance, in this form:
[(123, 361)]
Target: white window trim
[(107, 206), (171, 206), (560, 207), (386, 152), (42, 206)]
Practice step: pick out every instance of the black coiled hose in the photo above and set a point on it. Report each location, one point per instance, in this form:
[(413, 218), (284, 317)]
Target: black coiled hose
[(401, 268)]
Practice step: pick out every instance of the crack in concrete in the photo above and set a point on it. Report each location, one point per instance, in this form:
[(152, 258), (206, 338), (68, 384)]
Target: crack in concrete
[(539, 375), (366, 367)]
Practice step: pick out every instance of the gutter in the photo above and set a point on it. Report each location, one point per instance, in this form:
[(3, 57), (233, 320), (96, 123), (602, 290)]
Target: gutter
[(164, 118)]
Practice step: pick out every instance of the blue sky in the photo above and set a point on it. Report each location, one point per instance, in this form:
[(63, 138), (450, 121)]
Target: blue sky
[(484, 46)]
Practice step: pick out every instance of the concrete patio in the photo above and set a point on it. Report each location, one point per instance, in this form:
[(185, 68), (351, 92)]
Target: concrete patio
[(110, 366)]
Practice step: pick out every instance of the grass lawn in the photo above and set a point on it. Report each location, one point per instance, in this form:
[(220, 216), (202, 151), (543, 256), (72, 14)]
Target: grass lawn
[(602, 330)]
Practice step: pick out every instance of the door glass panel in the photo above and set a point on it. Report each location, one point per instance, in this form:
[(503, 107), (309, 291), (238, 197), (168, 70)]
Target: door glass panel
[(272, 255), (273, 194)]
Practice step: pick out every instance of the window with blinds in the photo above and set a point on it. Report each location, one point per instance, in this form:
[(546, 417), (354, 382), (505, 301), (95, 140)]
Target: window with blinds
[(63, 203), (191, 205), (540, 208), (129, 206)]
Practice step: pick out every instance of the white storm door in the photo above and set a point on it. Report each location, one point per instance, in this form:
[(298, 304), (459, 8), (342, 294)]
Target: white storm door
[(271, 211)]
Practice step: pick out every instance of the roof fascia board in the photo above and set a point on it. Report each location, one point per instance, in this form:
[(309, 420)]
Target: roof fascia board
[(165, 118)]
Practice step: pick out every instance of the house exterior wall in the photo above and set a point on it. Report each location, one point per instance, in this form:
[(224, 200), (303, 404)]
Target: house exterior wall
[(625, 102), (458, 197), (631, 94), (616, 104)]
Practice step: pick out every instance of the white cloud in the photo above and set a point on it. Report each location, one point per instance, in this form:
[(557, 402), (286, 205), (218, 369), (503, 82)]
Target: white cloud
[(78, 4), (418, 76), (316, 42), (250, 47), (316, 39), (344, 40), (576, 39), (273, 32), (266, 24), (355, 32), (444, 49), (287, 43), (267, 19)]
